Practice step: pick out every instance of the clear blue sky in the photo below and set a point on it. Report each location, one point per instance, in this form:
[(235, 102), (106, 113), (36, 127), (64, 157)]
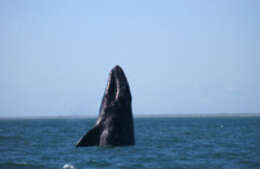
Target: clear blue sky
[(181, 56)]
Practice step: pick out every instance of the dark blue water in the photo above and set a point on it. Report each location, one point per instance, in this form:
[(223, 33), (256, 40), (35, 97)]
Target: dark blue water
[(194, 143)]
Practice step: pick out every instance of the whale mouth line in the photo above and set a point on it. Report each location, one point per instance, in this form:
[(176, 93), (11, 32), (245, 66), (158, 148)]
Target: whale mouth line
[(114, 86), (112, 89)]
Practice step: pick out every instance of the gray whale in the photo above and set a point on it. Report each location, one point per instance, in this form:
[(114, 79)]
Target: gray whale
[(115, 125)]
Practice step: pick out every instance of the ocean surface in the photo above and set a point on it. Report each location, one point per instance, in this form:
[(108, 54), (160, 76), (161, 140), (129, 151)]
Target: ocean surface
[(188, 143)]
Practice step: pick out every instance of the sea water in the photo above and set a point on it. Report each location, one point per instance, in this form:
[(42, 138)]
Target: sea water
[(190, 143)]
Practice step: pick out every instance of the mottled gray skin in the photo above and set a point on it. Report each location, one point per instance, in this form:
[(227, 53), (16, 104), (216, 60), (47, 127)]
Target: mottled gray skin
[(114, 126)]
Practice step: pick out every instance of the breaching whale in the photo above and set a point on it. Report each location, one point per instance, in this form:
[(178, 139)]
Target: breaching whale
[(115, 125)]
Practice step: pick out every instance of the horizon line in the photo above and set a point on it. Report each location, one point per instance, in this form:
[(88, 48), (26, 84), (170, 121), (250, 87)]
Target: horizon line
[(165, 115)]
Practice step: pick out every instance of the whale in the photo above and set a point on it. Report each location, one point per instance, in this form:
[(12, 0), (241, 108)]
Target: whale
[(115, 124)]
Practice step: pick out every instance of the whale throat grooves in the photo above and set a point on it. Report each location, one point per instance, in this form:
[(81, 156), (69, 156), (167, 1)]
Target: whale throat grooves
[(114, 125)]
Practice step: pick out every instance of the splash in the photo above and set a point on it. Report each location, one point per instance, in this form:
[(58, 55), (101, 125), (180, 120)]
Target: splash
[(68, 166)]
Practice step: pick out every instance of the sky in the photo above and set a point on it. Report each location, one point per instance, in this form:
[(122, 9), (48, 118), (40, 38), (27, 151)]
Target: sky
[(179, 57)]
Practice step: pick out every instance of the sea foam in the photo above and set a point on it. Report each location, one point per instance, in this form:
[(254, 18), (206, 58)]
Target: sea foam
[(68, 166)]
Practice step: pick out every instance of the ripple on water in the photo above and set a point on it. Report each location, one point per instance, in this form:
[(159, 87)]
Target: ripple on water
[(98, 163), (9, 138), (13, 165)]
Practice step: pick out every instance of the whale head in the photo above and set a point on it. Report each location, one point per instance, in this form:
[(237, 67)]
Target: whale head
[(114, 125)]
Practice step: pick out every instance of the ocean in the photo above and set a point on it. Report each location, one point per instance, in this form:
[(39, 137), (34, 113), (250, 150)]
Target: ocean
[(166, 143)]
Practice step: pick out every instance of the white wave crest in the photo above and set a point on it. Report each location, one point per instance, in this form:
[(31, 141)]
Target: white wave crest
[(68, 166)]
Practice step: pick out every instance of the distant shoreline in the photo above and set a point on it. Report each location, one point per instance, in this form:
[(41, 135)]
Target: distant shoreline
[(180, 115)]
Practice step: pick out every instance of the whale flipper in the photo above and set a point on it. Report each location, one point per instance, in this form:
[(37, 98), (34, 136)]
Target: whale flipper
[(91, 138), (115, 124)]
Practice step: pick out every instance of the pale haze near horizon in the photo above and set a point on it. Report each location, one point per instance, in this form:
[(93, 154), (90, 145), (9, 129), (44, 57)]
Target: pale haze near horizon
[(179, 56)]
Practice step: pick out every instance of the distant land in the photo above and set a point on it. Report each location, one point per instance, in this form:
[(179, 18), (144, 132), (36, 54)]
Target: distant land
[(177, 115)]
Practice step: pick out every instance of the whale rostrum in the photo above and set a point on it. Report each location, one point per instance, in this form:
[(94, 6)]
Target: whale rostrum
[(115, 125)]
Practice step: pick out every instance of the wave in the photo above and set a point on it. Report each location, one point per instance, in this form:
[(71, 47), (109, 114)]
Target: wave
[(13, 165), (4, 138), (99, 163)]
